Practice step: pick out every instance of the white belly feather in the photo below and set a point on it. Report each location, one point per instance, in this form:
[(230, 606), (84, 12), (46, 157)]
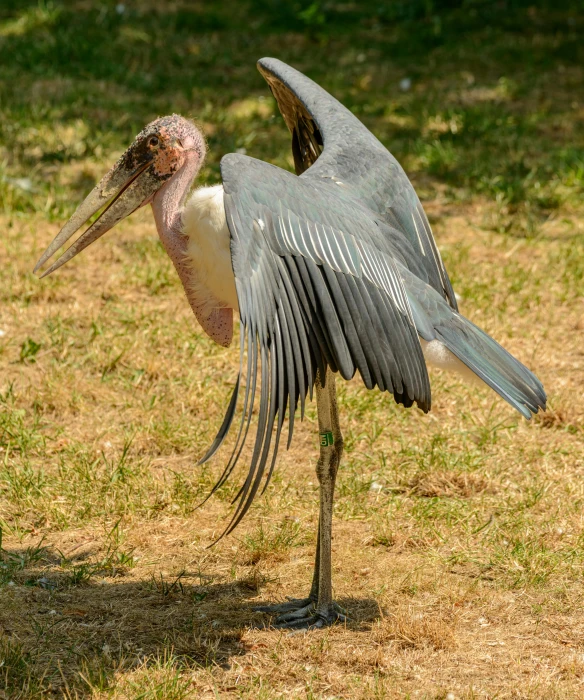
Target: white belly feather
[(209, 256), (208, 249)]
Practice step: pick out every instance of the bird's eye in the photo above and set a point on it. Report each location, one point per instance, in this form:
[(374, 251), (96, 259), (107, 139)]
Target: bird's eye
[(180, 143), (153, 141)]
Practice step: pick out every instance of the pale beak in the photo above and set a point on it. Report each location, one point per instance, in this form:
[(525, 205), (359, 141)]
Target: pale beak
[(121, 191)]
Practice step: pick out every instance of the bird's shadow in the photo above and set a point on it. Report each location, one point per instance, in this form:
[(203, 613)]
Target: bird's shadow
[(81, 632)]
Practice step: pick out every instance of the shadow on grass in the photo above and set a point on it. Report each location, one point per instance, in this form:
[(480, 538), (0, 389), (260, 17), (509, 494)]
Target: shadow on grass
[(59, 636)]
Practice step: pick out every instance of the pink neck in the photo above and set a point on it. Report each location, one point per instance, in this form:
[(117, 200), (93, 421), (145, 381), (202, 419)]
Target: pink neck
[(167, 207), (168, 202)]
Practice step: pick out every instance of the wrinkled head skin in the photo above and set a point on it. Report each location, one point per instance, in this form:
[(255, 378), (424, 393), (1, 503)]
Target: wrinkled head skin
[(159, 151), (164, 143)]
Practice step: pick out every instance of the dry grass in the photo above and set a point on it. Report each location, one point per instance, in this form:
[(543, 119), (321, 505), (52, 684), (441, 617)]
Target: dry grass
[(458, 535), (441, 484)]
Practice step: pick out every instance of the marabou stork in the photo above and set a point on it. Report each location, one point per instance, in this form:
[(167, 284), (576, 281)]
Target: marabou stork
[(332, 270)]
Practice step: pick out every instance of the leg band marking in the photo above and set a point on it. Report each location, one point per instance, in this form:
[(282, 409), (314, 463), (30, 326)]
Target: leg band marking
[(326, 439)]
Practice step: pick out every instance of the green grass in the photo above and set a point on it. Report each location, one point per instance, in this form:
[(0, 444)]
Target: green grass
[(81, 79)]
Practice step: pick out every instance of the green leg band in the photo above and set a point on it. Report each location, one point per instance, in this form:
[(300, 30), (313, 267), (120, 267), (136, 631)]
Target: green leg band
[(326, 439)]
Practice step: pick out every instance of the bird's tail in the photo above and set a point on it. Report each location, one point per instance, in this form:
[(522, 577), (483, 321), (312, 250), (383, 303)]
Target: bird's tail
[(451, 341), (493, 364)]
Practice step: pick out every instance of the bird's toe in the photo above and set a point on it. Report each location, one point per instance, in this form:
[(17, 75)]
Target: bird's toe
[(297, 614), (292, 605), (311, 616)]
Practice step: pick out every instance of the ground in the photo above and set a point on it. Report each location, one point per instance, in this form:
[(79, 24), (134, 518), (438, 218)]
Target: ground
[(458, 536)]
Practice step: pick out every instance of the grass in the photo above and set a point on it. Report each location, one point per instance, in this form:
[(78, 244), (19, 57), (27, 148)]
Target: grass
[(458, 540)]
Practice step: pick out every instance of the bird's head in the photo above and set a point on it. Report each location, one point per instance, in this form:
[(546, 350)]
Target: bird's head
[(159, 152)]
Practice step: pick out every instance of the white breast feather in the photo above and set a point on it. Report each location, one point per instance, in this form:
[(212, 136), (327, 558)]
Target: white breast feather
[(208, 249)]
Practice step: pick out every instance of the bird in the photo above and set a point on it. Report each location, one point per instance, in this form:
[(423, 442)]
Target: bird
[(333, 271)]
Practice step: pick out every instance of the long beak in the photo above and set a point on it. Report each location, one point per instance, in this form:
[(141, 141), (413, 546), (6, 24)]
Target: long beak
[(120, 192)]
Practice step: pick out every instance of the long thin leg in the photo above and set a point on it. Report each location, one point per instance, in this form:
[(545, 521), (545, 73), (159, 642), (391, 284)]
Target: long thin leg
[(331, 446), (313, 595), (331, 450), (318, 609)]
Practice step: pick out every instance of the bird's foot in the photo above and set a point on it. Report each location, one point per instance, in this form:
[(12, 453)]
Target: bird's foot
[(304, 613), (281, 610)]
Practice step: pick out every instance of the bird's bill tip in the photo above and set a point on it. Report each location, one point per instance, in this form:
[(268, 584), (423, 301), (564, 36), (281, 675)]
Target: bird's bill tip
[(119, 193)]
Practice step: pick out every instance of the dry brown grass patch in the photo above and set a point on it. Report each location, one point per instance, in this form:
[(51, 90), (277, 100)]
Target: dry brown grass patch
[(440, 484), (417, 629), (560, 419)]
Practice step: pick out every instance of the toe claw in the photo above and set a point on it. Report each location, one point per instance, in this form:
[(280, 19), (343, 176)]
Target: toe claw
[(318, 623)]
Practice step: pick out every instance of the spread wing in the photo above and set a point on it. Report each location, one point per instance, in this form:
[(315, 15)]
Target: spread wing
[(317, 285), (330, 143)]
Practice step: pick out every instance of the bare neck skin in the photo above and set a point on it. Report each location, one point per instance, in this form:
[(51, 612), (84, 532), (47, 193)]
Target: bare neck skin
[(167, 207)]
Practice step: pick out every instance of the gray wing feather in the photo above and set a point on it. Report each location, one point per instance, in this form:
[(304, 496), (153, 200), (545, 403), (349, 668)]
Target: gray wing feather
[(330, 143), (318, 285)]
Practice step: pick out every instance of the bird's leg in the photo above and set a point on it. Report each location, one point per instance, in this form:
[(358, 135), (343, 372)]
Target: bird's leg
[(331, 450), (313, 595), (319, 609)]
